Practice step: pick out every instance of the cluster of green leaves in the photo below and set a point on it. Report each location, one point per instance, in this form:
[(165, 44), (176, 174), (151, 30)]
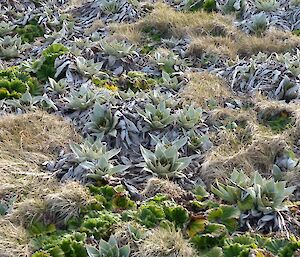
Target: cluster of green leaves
[(211, 231), (30, 31), (133, 80), (64, 245), (44, 67), (265, 195), (99, 223), (111, 198), (296, 32), (136, 81), (153, 34), (159, 210), (213, 239), (279, 122), (205, 5), (247, 244), (14, 83)]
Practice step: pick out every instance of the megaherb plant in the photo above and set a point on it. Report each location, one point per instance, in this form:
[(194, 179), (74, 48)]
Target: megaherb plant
[(81, 99), (108, 249), (197, 141), (102, 121), (189, 117), (233, 6), (257, 198), (267, 5), (292, 62), (6, 27), (57, 86), (157, 117), (10, 47), (87, 68), (170, 82), (29, 102), (104, 166), (14, 83), (89, 150), (166, 60), (259, 24), (165, 160), (93, 156), (156, 97), (116, 50), (110, 6)]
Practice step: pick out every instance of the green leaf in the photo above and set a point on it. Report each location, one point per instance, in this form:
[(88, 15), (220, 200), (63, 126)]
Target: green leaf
[(92, 251), (196, 225)]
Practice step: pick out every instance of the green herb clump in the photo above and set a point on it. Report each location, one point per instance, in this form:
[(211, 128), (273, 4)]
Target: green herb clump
[(71, 245), (206, 5), (45, 66), (160, 210), (112, 198), (99, 224), (14, 83), (30, 31)]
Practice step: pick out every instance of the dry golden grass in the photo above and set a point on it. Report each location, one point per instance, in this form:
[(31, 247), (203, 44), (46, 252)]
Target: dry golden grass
[(37, 132), (259, 155), (213, 33), (66, 203), (165, 243), (252, 147), (26, 141), (123, 234), (168, 188), (243, 45), (221, 46), (172, 23), (126, 32), (97, 24), (273, 41), (57, 207), (14, 241), (206, 87)]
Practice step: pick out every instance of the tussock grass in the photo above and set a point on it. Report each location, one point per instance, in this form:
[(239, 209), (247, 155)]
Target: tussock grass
[(26, 141), (161, 186), (36, 132), (243, 45), (165, 243), (63, 205), (126, 32), (212, 33), (253, 145), (56, 207), (124, 236), (178, 24), (259, 155), (14, 240), (97, 24), (205, 89)]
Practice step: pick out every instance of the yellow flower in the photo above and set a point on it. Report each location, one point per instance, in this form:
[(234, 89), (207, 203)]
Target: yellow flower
[(111, 87)]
